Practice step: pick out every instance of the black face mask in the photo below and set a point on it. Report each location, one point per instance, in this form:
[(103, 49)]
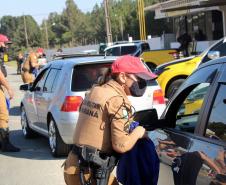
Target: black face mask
[(138, 88)]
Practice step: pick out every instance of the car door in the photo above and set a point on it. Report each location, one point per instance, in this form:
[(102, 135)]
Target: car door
[(47, 96), (38, 94), (212, 145), (183, 114), (30, 102)]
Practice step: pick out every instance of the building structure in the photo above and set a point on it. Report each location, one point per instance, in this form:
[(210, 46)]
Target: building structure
[(203, 20)]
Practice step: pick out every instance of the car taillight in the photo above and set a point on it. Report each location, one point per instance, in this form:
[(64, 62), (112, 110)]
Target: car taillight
[(158, 97), (71, 104)]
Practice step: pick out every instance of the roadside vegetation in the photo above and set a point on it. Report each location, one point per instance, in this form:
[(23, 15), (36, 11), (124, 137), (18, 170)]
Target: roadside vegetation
[(72, 27)]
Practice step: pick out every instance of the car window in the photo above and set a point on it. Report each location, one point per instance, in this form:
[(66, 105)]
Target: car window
[(56, 80), (216, 128), (40, 83), (125, 50), (145, 47), (221, 47), (108, 52), (49, 83), (188, 113), (85, 76), (113, 51), (190, 87)]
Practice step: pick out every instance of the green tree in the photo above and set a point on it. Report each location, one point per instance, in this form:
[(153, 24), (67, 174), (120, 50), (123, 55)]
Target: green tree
[(71, 16), (97, 22), (73, 27), (14, 28), (56, 29), (33, 31), (8, 26)]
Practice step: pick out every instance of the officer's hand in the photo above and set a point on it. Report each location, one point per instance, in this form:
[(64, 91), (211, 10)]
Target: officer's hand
[(141, 131), (11, 94)]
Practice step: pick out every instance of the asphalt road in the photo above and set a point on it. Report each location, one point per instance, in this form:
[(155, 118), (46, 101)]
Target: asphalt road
[(34, 165)]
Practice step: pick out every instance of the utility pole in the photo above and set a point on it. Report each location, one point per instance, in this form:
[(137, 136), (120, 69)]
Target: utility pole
[(121, 27), (47, 36), (108, 22), (25, 31), (141, 19)]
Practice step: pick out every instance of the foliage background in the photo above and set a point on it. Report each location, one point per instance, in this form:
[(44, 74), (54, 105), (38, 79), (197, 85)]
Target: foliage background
[(73, 27)]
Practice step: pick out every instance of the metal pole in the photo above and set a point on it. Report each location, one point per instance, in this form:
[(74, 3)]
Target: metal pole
[(25, 31), (121, 27), (108, 23), (47, 36), (141, 18)]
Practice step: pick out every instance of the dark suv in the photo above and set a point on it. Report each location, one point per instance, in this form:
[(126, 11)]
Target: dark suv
[(192, 143), (135, 48)]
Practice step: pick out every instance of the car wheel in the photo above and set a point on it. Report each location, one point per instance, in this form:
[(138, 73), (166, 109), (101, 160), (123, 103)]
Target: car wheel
[(27, 132), (173, 87), (57, 146)]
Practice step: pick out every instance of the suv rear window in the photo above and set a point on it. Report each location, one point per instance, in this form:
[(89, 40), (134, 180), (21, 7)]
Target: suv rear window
[(145, 47), (113, 52), (125, 50), (84, 76)]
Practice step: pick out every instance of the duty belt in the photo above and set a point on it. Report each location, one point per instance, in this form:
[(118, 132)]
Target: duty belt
[(99, 163)]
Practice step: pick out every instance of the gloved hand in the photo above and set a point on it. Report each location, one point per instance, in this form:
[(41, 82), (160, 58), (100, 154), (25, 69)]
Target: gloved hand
[(7, 103), (133, 125)]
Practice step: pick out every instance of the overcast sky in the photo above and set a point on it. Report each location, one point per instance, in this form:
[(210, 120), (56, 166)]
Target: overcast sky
[(40, 9)]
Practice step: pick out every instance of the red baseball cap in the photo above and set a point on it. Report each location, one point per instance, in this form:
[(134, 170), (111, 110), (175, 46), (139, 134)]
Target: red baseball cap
[(132, 65), (40, 50)]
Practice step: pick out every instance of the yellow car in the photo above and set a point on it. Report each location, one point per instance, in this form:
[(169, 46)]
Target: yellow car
[(194, 101), (154, 58), (172, 74)]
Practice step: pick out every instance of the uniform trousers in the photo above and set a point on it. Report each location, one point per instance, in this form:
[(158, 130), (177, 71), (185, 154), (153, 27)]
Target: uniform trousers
[(71, 172), (4, 114)]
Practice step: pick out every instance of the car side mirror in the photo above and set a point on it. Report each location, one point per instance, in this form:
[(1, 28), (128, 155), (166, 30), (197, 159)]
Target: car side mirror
[(149, 119), (25, 87), (213, 55)]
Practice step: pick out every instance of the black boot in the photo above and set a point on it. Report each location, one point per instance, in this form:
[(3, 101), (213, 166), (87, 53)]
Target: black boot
[(6, 146)]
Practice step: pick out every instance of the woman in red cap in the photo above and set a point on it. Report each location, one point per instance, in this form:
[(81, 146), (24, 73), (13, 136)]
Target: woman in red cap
[(103, 125)]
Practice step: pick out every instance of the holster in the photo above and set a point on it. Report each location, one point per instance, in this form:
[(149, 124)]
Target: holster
[(100, 164)]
